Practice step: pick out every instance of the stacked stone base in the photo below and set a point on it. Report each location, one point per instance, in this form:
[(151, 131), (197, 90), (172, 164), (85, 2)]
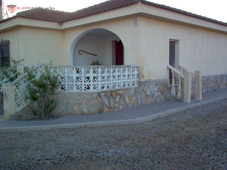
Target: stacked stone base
[(210, 83), (214, 82), (96, 102)]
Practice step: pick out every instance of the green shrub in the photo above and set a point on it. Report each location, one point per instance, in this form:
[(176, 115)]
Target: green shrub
[(41, 89)]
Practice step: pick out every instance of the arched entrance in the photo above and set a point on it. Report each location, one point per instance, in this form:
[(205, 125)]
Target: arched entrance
[(97, 47)]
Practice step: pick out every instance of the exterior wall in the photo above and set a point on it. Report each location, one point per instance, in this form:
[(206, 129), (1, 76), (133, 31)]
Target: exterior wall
[(40, 46), (100, 45), (199, 49), (12, 36), (35, 45)]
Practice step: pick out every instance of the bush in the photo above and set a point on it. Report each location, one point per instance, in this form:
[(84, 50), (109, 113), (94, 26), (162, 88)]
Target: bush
[(41, 88)]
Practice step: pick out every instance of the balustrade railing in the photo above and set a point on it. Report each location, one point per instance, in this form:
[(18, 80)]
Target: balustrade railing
[(187, 83), (78, 78), (97, 78), (180, 76)]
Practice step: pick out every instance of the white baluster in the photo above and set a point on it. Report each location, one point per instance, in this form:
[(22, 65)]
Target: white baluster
[(82, 78), (173, 91)]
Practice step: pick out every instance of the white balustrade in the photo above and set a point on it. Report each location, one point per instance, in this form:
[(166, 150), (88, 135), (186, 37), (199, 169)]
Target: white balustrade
[(82, 79), (180, 75), (97, 78)]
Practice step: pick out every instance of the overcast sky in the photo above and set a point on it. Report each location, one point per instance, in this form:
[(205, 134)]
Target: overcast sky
[(215, 9)]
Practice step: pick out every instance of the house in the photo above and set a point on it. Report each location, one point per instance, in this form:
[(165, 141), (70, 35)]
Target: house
[(122, 32)]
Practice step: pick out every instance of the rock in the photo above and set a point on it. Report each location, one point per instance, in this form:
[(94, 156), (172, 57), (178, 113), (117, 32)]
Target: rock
[(111, 102), (105, 100)]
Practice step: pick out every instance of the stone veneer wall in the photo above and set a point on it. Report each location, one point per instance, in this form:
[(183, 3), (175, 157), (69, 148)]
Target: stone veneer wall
[(210, 83), (214, 82), (96, 102)]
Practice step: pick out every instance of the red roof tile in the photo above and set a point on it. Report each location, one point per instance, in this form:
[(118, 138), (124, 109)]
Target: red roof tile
[(60, 17), (44, 14), (100, 8)]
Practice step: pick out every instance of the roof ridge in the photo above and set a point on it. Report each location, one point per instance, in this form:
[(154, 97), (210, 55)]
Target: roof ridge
[(62, 16), (100, 8)]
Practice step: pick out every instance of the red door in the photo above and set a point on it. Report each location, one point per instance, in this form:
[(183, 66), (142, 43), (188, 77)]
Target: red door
[(119, 49)]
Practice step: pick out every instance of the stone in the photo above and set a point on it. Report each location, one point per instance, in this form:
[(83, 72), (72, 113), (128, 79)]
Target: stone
[(87, 96), (75, 109), (106, 109), (111, 102), (127, 100), (122, 102), (84, 109), (116, 105), (139, 100), (99, 99), (114, 94), (94, 95), (105, 100), (93, 110), (117, 99), (108, 94)]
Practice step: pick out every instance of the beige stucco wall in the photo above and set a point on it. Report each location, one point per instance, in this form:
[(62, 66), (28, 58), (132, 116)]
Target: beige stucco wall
[(12, 36), (199, 49), (40, 46), (35, 45)]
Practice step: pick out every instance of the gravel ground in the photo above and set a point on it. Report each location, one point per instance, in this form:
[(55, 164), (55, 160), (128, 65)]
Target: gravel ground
[(192, 139)]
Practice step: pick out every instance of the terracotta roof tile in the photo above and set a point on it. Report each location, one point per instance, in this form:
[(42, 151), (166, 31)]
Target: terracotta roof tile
[(44, 14), (100, 8), (60, 17)]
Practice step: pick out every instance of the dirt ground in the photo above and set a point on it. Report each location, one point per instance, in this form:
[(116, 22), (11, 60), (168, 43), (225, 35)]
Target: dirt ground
[(192, 139)]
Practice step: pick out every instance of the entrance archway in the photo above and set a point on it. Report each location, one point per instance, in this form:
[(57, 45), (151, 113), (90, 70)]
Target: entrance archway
[(97, 47)]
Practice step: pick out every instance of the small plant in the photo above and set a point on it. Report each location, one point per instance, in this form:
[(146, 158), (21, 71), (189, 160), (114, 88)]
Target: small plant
[(41, 88), (95, 63)]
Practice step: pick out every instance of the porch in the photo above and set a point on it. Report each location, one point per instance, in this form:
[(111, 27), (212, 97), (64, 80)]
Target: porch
[(95, 89)]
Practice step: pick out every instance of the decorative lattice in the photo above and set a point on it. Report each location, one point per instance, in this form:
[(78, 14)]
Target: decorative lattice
[(7, 75), (83, 78), (20, 86), (98, 78)]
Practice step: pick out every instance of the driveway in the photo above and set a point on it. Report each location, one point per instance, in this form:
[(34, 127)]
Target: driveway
[(191, 139)]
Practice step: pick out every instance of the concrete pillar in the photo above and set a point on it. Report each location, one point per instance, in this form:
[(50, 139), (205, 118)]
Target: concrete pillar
[(9, 104), (187, 87), (198, 85)]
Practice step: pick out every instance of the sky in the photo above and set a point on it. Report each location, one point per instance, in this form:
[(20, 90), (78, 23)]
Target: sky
[(215, 9)]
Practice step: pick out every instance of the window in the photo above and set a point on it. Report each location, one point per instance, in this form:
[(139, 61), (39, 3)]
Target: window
[(4, 54)]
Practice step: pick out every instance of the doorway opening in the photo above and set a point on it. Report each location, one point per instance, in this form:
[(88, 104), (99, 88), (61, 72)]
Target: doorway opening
[(173, 56), (119, 53)]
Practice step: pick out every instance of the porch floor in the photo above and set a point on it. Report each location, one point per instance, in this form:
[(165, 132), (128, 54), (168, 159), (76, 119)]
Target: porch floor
[(126, 116)]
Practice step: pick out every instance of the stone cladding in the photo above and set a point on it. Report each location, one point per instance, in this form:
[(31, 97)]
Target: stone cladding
[(106, 101)]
